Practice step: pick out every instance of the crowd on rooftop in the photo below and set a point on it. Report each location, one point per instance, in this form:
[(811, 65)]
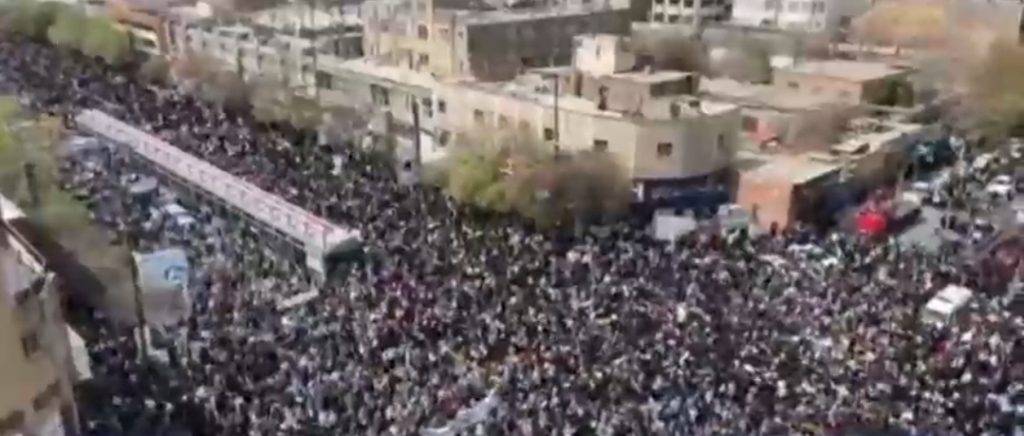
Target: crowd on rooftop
[(454, 316)]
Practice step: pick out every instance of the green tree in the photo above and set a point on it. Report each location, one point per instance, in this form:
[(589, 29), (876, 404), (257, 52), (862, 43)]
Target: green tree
[(67, 29), (102, 39), (30, 18)]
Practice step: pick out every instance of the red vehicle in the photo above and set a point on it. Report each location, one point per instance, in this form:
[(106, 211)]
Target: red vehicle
[(876, 219)]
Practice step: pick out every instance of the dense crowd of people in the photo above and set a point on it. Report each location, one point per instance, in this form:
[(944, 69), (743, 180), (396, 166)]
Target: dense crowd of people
[(461, 323)]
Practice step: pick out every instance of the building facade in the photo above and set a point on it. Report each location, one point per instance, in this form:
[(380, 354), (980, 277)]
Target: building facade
[(847, 82), (804, 15), (689, 12), (36, 369), (280, 43), (451, 40), (649, 120)]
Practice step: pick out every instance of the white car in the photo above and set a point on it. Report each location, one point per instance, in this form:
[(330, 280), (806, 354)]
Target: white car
[(1000, 186)]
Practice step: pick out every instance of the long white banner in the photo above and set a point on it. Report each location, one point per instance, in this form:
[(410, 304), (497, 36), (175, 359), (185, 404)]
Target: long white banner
[(317, 234)]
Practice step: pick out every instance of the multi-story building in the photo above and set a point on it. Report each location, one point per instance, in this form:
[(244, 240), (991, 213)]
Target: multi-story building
[(283, 44), (451, 40), (804, 15), (691, 12), (661, 134), (36, 369)]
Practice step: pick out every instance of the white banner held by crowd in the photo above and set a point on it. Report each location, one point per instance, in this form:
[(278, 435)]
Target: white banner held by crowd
[(317, 234)]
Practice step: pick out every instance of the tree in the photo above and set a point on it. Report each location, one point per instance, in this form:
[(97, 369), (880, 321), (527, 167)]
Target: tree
[(225, 88), (31, 19), (31, 140), (514, 173), (103, 40), (156, 69), (67, 29), (996, 94)]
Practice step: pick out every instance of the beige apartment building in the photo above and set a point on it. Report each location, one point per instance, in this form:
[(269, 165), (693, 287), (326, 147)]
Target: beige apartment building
[(650, 120), (849, 82), (456, 40), (36, 369)]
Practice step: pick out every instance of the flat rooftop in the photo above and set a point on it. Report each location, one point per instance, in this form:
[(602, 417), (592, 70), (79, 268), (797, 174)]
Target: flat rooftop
[(539, 13), (767, 96), (854, 71), (797, 169)]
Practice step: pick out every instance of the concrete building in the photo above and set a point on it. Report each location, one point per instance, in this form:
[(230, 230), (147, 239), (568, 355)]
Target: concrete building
[(783, 187), (36, 368), (461, 40), (689, 11), (650, 120), (145, 22), (851, 82), (830, 16), (769, 113), (275, 44)]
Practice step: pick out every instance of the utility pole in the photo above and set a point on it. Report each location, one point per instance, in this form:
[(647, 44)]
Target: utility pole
[(556, 130), (416, 140)]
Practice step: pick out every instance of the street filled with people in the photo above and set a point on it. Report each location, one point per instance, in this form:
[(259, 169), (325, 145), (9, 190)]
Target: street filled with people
[(461, 322)]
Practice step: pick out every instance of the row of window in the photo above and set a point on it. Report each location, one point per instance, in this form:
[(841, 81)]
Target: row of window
[(688, 4), (815, 6)]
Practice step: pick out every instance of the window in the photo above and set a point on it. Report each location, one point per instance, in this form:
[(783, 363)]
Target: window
[(323, 80), (422, 32), (664, 149), (688, 4), (445, 33), (379, 95), (478, 116), (428, 109), (444, 138), (793, 85), (600, 145), (845, 94), (29, 344), (658, 17), (502, 121), (673, 110), (442, 107), (720, 143), (424, 60), (549, 134), (748, 123)]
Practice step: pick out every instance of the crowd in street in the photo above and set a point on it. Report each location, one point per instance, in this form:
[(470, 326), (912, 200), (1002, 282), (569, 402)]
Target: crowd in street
[(601, 334)]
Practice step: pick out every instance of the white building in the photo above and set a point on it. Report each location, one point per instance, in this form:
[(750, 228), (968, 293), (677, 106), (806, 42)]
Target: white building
[(804, 15), (686, 11)]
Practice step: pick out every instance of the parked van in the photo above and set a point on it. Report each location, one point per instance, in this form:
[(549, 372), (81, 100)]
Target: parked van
[(946, 305)]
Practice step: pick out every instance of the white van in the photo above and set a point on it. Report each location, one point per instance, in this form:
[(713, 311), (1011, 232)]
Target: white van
[(945, 305)]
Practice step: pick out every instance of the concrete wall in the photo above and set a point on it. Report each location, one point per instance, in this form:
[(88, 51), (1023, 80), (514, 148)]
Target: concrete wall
[(699, 145), (32, 384), (770, 199), (487, 50), (843, 91)]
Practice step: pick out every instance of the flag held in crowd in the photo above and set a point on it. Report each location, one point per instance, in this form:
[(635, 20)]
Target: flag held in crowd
[(163, 281)]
